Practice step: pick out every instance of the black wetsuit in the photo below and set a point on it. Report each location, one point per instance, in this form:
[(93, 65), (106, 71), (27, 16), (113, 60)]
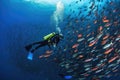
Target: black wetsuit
[(53, 40)]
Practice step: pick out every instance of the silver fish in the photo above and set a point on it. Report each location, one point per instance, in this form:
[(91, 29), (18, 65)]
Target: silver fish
[(90, 39), (79, 40), (98, 71), (107, 45)]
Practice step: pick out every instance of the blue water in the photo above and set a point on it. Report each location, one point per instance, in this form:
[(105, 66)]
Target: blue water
[(22, 23)]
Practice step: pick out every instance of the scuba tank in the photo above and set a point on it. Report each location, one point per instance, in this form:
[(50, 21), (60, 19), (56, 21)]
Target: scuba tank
[(47, 37)]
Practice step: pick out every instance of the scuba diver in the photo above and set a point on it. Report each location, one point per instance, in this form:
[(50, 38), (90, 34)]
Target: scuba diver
[(51, 39)]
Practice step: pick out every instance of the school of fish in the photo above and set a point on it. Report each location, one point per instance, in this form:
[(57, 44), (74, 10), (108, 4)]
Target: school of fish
[(91, 47)]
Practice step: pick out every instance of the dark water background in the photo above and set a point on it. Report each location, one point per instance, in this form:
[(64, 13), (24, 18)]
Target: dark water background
[(21, 24)]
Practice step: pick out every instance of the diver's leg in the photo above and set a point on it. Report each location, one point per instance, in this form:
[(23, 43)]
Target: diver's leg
[(42, 43), (28, 47), (30, 54), (37, 43)]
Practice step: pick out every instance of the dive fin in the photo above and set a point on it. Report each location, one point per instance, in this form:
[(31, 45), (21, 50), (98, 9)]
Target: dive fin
[(30, 56), (67, 77), (28, 47)]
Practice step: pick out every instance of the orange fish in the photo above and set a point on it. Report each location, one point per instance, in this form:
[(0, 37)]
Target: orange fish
[(105, 37), (48, 52), (80, 35), (92, 43), (107, 25), (46, 56), (108, 51), (112, 59), (94, 69), (100, 28), (75, 45), (104, 42), (80, 56), (105, 20)]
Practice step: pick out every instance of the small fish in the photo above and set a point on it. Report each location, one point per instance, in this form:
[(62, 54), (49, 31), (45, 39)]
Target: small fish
[(87, 65), (103, 60), (80, 56), (75, 55), (95, 21), (88, 35), (108, 45), (75, 45), (111, 65), (108, 51), (90, 39), (41, 56), (92, 43), (107, 25), (99, 71), (99, 36), (95, 68), (115, 67), (48, 52), (76, 50), (115, 70), (112, 59), (104, 42), (87, 60), (105, 20), (79, 35), (107, 72), (81, 39), (117, 39), (106, 36), (86, 74), (95, 59), (46, 56), (87, 69), (100, 28), (118, 61)]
